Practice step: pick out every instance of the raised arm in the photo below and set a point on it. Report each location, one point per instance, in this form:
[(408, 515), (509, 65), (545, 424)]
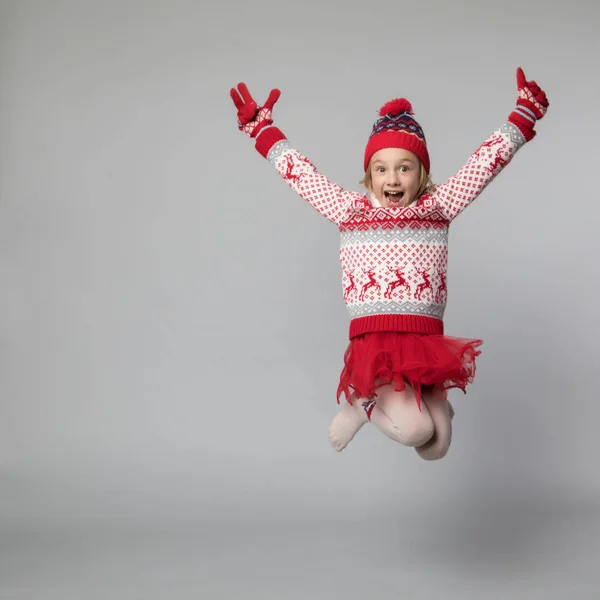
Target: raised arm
[(325, 196), (495, 153)]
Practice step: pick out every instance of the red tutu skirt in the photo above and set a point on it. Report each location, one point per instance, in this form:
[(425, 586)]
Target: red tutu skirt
[(421, 360)]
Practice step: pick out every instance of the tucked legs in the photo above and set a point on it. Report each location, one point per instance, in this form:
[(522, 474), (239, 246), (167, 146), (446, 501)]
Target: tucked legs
[(442, 413), (411, 426)]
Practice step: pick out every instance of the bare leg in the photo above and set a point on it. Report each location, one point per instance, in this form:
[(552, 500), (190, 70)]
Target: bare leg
[(442, 413), (411, 426)]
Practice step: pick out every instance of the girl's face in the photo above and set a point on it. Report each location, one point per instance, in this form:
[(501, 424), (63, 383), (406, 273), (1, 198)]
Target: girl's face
[(395, 176)]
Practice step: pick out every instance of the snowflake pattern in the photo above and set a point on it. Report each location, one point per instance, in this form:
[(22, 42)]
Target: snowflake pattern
[(394, 260)]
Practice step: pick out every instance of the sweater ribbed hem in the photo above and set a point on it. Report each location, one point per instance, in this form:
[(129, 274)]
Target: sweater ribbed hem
[(267, 138), (399, 323)]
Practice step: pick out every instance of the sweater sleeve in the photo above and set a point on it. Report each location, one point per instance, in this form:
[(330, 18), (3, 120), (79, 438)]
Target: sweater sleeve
[(483, 166), (328, 198)]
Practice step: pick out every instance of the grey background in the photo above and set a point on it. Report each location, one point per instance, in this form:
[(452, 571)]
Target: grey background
[(172, 319)]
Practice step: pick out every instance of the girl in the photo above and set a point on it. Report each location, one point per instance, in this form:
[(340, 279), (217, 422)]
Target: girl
[(399, 365)]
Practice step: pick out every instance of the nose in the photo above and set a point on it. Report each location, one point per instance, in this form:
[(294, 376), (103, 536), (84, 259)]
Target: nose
[(394, 177)]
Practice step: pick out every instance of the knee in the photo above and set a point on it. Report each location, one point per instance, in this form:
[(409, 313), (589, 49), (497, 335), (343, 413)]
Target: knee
[(416, 432), (437, 447), (432, 452)]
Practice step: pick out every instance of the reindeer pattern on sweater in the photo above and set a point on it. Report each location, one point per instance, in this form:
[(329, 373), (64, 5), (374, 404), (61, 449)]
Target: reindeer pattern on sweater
[(394, 260)]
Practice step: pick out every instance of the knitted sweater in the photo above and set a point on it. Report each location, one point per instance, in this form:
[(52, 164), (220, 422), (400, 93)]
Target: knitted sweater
[(394, 260)]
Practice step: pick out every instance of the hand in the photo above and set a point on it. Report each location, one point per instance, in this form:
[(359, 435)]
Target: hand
[(251, 117), (531, 96)]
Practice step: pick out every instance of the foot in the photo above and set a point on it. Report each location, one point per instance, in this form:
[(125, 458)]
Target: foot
[(346, 424)]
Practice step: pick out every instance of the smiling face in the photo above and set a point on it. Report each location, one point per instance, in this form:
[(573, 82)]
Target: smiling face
[(395, 177)]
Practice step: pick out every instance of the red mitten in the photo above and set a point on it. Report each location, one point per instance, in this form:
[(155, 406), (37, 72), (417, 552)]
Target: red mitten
[(532, 105), (253, 119)]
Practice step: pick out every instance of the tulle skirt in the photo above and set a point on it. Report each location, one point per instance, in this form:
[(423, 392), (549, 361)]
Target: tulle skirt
[(419, 360)]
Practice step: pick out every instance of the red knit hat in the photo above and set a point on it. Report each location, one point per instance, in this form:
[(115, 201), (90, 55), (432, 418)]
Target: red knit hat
[(396, 128)]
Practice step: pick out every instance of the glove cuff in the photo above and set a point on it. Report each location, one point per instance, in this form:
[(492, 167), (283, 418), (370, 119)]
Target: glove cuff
[(524, 120), (267, 138)]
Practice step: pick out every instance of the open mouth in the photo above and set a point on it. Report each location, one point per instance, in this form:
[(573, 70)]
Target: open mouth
[(394, 198)]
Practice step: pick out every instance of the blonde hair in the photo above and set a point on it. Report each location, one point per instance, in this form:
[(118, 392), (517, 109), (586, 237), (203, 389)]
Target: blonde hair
[(425, 183)]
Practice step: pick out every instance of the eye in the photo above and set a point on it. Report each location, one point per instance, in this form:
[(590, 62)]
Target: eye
[(404, 168)]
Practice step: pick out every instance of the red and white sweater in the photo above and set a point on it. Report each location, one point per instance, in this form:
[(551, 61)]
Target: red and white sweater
[(394, 260)]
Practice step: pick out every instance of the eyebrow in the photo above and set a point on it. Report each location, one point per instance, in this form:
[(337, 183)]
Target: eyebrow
[(404, 160)]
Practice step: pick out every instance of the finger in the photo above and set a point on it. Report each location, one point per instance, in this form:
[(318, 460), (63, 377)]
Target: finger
[(541, 98), (245, 93), (521, 81), (273, 97), (247, 112), (237, 100), (534, 87)]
